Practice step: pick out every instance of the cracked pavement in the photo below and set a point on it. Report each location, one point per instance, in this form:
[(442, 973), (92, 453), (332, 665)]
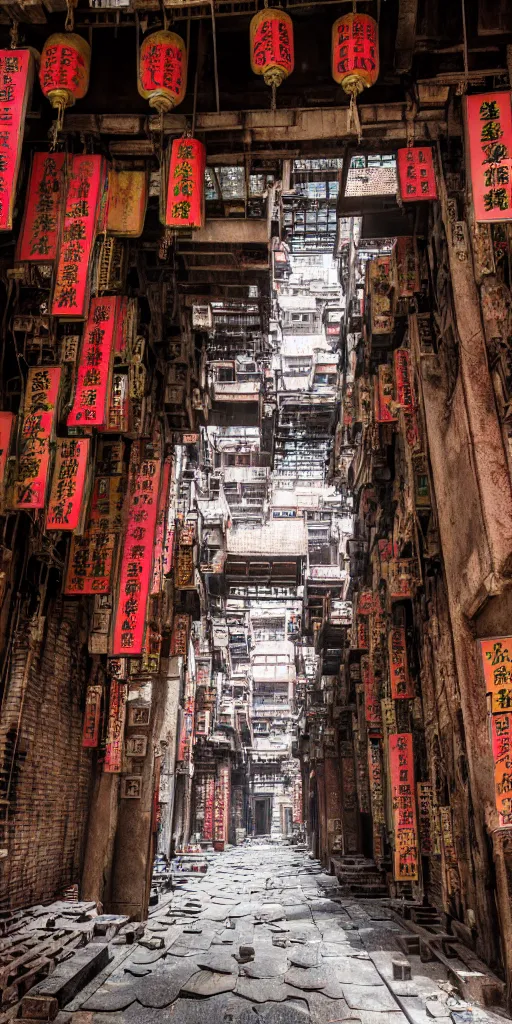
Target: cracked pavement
[(267, 934)]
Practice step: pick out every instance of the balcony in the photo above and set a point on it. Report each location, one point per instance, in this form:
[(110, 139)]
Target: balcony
[(236, 391)]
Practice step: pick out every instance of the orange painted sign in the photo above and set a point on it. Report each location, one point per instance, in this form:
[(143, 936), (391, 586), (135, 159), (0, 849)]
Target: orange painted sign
[(497, 665), (38, 422), (384, 410), (65, 508), (489, 129), (39, 236)]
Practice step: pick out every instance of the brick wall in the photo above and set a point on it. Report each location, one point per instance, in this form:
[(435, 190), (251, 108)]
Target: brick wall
[(50, 787)]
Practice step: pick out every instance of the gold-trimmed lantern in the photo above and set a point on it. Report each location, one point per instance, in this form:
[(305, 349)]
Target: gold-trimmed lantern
[(272, 53), (355, 56), (64, 70), (162, 72)]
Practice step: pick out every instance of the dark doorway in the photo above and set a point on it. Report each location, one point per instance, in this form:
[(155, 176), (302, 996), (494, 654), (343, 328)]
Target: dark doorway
[(262, 816)]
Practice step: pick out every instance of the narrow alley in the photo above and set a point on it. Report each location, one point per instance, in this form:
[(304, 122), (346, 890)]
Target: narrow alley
[(266, 932)]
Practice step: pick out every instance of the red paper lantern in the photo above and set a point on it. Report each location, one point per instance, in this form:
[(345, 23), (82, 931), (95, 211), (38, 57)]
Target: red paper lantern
[(64, 70), (272, 46), (355, 52), (185, 189), (162, 75)]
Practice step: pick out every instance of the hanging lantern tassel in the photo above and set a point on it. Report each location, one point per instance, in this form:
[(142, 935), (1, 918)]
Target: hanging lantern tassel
[(354, 119), (355, 58), (272, 55)]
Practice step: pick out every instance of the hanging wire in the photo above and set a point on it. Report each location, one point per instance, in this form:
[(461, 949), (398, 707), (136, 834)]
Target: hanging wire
[(70, 16)]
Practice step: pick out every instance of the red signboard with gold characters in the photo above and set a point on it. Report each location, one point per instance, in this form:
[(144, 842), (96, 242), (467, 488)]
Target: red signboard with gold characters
[(86, 181), (89, 407), (403, 796), (185, 189), (39, 234), (416, 174), (489, 128), (16, 74), (137, 552)]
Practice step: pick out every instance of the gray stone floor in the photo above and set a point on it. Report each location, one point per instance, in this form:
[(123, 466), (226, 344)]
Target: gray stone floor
[(311, 955)]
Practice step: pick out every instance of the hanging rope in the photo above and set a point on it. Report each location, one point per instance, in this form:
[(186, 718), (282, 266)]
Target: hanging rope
[(14, 34), (70, 16)]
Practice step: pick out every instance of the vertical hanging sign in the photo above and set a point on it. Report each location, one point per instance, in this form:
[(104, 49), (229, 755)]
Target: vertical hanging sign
[(6, 431), (373, 713), (90, 564), (402, 374), (39, 236), (38, 422), (208, 807), (137, 555), (185, 188), (377, 798), (401, 685), (94, 371), (157, 581), (127, 201), (65, 508), (85, 188), (489, 130), (92, 716), (16, 76), (416, 174), (115, 730), (497, 665), (403, 796), (502, 751)]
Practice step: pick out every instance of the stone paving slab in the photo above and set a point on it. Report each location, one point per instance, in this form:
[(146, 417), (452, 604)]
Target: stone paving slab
[(318, 957)]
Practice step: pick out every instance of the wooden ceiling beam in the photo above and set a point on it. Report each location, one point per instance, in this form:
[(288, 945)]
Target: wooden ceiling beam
[(405, 35)]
